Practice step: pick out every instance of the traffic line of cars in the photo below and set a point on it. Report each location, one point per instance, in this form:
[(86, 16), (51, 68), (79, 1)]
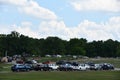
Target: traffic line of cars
[(66, 66)]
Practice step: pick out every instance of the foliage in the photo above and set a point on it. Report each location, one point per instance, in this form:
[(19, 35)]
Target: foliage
[(16, 43)]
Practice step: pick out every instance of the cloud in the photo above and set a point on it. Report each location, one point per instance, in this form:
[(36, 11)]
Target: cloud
[(24, 28), (96, 5), (86, 29), (93, 31), (32, 8), (55, 28), (101, 31), (26, 24), (5, 29), (51, 26)]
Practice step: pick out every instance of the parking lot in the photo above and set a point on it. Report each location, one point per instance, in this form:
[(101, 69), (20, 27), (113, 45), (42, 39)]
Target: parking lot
[(64, 65), (7, 74)]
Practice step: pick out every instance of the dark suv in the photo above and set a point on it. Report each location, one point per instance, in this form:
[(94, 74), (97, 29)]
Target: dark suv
[(107, 66), (21, 67)]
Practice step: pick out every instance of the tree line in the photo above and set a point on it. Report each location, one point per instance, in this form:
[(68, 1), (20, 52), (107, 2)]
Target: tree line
[(16, 43)]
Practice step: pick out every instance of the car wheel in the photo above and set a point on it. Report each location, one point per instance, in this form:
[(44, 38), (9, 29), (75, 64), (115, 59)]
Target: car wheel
[(27, 69), (36, 69), (50, 69), (18, 70)]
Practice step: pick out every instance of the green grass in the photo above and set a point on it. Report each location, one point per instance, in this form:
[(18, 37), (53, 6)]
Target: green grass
[(5, 67), (43, 59), (80, 75)]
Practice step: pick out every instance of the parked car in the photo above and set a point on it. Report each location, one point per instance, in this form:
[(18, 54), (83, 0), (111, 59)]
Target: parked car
[(97, 66), (75, 66), (81, 67), (92, 66), (49, 67), (107, 66), (38, 67), (21, 67), (87, 66), (66, 67), (60, 62)]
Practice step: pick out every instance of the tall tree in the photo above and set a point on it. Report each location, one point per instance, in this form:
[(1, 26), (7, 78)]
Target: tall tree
[(16, 43), (54, 45), (77, 46)]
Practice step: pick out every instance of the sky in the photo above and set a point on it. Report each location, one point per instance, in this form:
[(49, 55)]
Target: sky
[(66, 19)]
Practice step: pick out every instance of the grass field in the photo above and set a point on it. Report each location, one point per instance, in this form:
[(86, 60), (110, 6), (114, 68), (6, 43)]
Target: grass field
[(5, 67), (81, 75)]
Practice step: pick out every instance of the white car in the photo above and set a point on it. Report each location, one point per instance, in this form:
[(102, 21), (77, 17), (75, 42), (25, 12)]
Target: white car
[(47, 67), (81, 67), (53, 66), (87, 66), (98, 66)]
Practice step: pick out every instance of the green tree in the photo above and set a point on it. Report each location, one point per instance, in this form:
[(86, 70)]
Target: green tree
[(77, 46), (54, 45)]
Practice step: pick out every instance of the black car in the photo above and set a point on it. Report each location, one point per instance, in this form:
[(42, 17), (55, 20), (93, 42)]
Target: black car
[(46, 67), (60, 62), (66, 67), (38, 67), (107, 66)]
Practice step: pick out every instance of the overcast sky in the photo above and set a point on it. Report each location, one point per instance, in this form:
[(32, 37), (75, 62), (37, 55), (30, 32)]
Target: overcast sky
[(90, 19)]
